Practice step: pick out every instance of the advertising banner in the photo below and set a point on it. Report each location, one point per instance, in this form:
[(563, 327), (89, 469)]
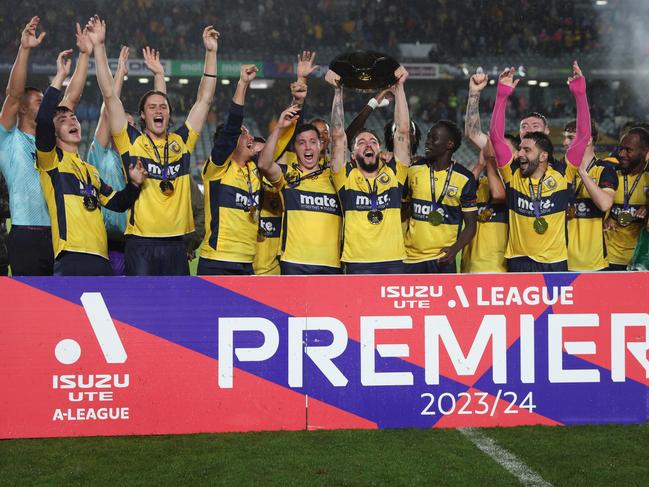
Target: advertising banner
[(121, 356)]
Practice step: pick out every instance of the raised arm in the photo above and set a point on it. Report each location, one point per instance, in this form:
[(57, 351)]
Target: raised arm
[(116, 115), (401, 119), (198, 113), (472, 126), (506, 85), (496, 185), (102, 132), (45, 133), (356, 125), (602, 194), (18, 76), (338, 136), (267, 165), (577, 85), (153, 64), (73, 92)]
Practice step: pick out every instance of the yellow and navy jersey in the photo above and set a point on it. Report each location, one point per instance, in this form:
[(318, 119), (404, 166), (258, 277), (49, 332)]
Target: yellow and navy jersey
[(621, 240), (549, 247), (423, 240), (586, 249), (486, 252), (67, 182), (312, 222), (156, 214), (364, 242), (266, 260)]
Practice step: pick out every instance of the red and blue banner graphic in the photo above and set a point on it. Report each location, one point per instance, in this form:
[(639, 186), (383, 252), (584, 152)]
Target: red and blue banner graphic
[(121, 356)]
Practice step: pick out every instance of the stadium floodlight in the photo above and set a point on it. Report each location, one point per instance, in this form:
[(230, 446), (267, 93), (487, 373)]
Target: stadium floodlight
[(261, 84), (601, 3), (225, 81), (183, 81), (143, 80), (125, 78), (167, 79), (492, 82), (532, 82), (544, 84)]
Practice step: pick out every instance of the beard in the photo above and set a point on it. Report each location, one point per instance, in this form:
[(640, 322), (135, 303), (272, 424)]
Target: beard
[(532, 165), (360, 162)]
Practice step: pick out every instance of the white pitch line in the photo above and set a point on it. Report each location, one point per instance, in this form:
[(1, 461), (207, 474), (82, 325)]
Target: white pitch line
[(504, 458)]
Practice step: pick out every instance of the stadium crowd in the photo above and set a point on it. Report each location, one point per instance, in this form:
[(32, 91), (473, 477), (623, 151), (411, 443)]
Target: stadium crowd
[(310, 196)]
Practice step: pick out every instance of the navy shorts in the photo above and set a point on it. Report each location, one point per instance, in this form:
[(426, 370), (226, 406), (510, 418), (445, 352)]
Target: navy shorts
[(80, 264), (291, 269), (149, 256), (431, 267), (390, 267), (525, 264), (30, 251), (209, 267)]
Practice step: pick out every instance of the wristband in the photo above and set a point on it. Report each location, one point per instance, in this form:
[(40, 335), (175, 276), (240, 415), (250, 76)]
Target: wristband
[(209, 75)]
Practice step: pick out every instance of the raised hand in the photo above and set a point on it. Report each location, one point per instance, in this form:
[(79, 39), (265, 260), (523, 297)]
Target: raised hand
[(63, 64), (577, 82), (576, 72), (28, 38), (211, 38), (152, 60), (248, 73), (299, 91), (137, 173), (507, 77), (96, 29), (305, 64), (401, 75), (122, 61), (332, 78), (84, 44), (288, 116), (477, 82)]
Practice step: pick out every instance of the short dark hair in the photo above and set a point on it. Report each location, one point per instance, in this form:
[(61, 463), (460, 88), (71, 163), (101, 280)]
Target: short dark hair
[(146, 96), (319, 120), (542, 141), (62, 109), (571, 127), (536, 115), (642, 133), (514, 139), (388, 132), (365, 130), (29, 89), (305, 127), (453, 130), (259, 139)]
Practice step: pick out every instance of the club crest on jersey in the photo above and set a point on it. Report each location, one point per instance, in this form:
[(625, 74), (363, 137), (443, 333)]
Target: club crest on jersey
[(452, 191), (384, 178), (175, 147), (550, 183)]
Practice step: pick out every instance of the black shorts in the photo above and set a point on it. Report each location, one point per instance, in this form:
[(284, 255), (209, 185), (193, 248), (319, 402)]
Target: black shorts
[(80, 264), (616, 268), (390, 267), (431, 267), (150, 256), (292, 269), (30, 251), (525, 264), (209, 267)]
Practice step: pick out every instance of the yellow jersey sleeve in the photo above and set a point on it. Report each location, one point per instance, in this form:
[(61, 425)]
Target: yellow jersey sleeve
[(47, 160), (122, 140), (189, 136)]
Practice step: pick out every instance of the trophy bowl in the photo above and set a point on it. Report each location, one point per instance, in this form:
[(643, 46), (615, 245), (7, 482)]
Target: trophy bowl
[(365, 71)]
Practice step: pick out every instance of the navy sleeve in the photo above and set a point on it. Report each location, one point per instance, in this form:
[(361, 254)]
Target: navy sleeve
[(45, 134), (608, 178), (226, 142), (122, 200)]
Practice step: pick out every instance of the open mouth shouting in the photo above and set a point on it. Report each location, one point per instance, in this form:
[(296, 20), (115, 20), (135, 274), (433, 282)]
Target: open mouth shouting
[(158, 122), (309, 156)]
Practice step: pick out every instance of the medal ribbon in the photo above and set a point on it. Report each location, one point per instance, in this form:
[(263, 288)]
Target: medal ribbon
[(87, 188), (627, 193), (536, 201), (251, 195), (435, 203), (295, 183), (164, 163), (374, 199)]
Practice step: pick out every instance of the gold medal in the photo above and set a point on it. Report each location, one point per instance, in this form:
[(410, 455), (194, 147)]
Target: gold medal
[(485, 215), (375, 217), (540, 225), (260, 235), (435, 218), (571, 212), (253, 214), (624, 218), (166, 187)]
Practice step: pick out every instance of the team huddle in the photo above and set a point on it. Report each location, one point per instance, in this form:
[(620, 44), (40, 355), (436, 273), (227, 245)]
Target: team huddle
[(312, 197)]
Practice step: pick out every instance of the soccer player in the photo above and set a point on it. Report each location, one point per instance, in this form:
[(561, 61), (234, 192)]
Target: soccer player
[(104, 157), (72, 187), (592, 189), (537, 192), (312, 220), (30, 239), (628, 214), (162, 215), (370, 190), (443, 195)]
